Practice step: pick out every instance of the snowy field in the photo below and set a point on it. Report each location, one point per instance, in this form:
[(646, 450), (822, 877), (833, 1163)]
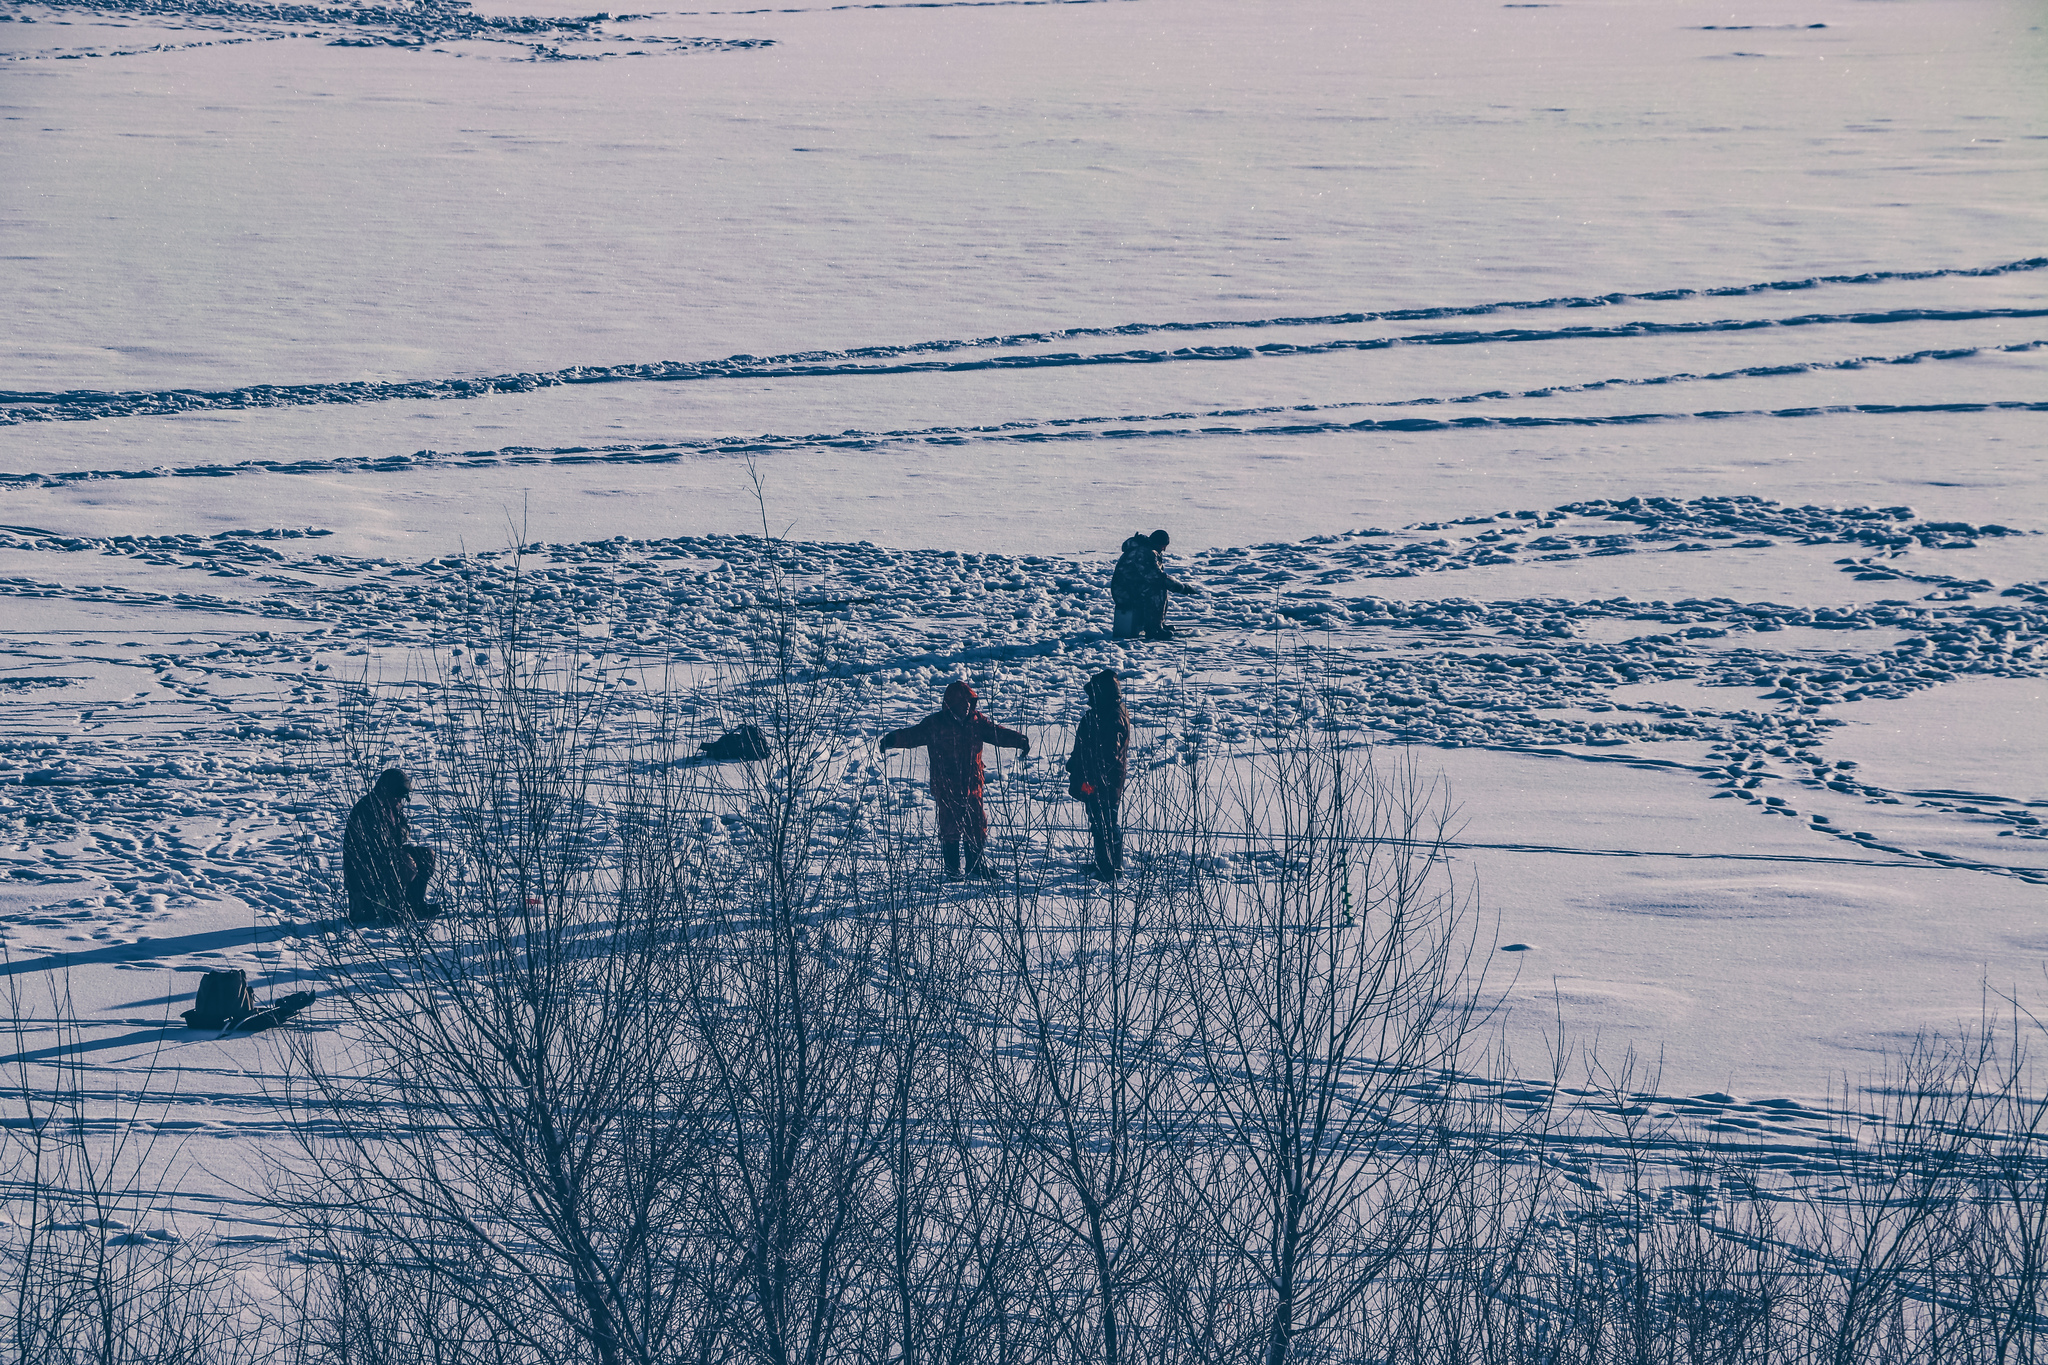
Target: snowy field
[(1636, 409)]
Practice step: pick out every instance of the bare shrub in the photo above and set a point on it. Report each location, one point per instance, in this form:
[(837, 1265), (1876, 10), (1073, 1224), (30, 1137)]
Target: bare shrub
[(659, 1082), (1917, 1240), (701, 1064), (1328, 990), (95, 1268), (1088, 1094)]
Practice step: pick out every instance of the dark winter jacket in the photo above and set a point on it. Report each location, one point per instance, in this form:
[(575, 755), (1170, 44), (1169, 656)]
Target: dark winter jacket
[(1102, 744), (376, 869), (953, 737), (1139, 575)]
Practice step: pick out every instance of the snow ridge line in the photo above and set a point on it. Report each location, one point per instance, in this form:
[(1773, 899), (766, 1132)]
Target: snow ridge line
[(91, 404), (1587, 528), (415, 27), (1573, 850), (904, 4), (430, 22), (74, 54), (1649, 381), (669, 452)]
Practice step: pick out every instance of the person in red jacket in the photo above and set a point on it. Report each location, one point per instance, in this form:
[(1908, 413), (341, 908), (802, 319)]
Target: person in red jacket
[(953, 737)]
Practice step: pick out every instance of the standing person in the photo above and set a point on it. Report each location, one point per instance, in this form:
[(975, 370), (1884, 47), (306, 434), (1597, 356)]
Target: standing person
[(953, 736), (1097, 767), (385, 877), (1139, 587)]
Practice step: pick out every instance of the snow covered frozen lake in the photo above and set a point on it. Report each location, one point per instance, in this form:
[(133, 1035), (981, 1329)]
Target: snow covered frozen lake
[(1637, 409)]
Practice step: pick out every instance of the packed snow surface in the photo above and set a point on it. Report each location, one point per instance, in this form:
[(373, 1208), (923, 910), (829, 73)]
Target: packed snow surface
[(1636, 409)]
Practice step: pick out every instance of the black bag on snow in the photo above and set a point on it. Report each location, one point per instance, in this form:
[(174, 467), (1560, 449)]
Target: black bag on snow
[(743, 744), (223, 998)]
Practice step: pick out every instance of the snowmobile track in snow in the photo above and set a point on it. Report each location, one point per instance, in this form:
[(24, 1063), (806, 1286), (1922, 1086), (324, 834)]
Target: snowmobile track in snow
[(87, 405)]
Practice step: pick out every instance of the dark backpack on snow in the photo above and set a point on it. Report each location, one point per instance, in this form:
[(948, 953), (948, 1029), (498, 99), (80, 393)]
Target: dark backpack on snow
[(746, 742), (223, 998)]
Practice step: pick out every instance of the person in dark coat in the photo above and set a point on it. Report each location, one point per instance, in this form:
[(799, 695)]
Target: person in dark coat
[(1097, 767), (1139, 587), (385, 876), (953, 737)]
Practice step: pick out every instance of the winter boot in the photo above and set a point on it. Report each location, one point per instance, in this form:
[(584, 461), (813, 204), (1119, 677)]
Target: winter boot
[(949, 853), (977, 863)]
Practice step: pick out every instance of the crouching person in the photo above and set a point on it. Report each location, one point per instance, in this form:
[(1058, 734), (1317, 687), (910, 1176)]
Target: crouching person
[(1139, 586), (953, 736), (385, 876), (1096, 770)]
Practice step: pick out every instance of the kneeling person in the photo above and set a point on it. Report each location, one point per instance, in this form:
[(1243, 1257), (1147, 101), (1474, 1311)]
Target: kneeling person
[(1139, 587), (385, 877)]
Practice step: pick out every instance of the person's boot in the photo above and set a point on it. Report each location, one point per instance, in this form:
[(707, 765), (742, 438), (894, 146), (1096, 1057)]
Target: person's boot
[(977, 863), (1104, 869), (949, 853)]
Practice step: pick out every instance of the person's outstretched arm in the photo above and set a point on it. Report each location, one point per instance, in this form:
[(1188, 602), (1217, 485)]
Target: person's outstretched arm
[(1003, 737), (909, 737)]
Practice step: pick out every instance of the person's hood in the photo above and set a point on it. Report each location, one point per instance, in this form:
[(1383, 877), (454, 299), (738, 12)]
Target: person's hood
[(1103, 690), (957, 692)]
